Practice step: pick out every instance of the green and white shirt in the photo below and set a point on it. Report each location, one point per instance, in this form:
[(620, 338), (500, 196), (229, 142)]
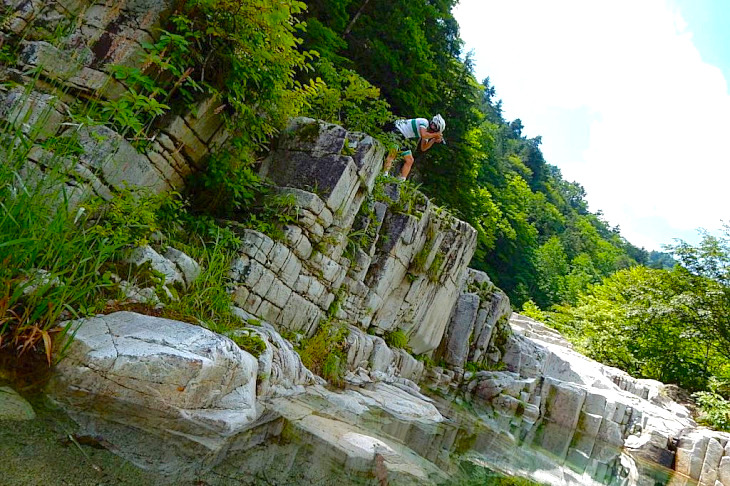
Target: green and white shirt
[(410, 128)]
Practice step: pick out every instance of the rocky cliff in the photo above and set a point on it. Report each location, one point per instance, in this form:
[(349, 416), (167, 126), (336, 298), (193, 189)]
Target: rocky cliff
[(199, 401), (470, 382), (50, 78)]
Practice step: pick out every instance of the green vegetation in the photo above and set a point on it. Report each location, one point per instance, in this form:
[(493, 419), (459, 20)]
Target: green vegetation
[(324, 354), (401, 196), (242, 58), (396, 339), (670, 325), (207, 301), (346, 98), (714, 407), (530, 309), (476, 367), (54, 259), (249, 341)]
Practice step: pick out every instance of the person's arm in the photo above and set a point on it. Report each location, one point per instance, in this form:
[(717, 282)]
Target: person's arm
[(428, 138), (426, 144)]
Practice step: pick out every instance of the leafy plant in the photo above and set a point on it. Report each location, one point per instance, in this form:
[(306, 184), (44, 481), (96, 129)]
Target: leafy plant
[(714, 408), (273, 213), (343, 96), (334, 307), (228, 186), (132, 216), (434, 271), (163, 79), (355, 240), (530, 309), (419, 261), (427, 360), (207, 299), (408, 199), (476, 367)]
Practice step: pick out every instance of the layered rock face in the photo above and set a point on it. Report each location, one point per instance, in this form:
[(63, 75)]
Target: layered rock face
[(375, 257), (476, 323), (598, 421), (99, 35), (579, 410)]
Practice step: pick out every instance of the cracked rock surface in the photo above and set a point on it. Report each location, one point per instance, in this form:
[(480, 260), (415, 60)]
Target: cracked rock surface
[(158, 375)]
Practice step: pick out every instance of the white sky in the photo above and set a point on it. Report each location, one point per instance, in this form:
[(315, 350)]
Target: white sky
[(623, 101)]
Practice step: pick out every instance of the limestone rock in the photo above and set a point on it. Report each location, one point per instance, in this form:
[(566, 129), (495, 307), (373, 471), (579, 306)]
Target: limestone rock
[(146, 254), (189, 268), (480, 309), (281, 371), (461, 328), (37, 114), (13, 406), (165, 377)]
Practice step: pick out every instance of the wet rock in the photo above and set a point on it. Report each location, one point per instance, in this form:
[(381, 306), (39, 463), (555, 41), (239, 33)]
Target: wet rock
[(563, 403), (13, 406), (331, 422)]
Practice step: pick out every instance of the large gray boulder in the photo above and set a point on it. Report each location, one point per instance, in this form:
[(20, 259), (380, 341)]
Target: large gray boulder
[(167, 378)]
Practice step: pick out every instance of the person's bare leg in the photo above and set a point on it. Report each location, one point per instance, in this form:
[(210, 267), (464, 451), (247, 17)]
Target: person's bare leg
[(406, 166), (389, 161)]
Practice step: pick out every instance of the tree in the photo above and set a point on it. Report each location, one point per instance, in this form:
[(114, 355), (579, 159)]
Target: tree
[(645, 322)]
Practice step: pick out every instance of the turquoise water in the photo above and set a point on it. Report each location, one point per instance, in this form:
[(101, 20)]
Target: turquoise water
[(472, 447)]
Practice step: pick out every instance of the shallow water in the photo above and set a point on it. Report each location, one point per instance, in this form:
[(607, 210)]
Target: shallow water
[(471, 447)]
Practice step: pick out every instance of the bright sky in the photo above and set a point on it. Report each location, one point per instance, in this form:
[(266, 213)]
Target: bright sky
[(630, 98)]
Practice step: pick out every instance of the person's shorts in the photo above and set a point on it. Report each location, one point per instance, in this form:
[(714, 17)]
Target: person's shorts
[(403, 145)]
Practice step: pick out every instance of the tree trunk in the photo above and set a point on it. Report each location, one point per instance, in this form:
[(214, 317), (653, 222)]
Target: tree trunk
[(354, 19)]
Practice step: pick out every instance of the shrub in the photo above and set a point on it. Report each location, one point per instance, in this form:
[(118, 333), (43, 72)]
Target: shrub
[(132, 216), (323, 353), (396, 339), (249, 341), (531, 310), (714, 408), (343, 96)]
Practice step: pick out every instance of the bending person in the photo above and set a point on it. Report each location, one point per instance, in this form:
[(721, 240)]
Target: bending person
[(427, 133)]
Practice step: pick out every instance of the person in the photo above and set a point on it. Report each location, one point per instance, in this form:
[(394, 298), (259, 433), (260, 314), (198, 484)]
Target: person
[(427, 133)]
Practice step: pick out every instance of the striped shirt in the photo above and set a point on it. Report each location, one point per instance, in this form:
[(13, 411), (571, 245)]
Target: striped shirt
[(410, 128)]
